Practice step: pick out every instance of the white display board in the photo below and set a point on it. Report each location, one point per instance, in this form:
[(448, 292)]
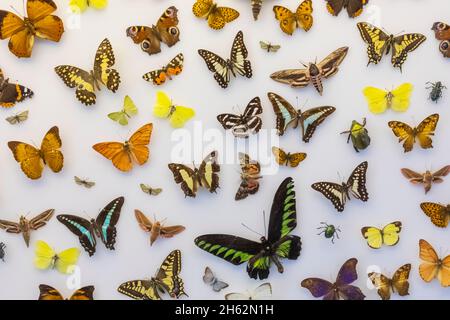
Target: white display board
[(392, 197)]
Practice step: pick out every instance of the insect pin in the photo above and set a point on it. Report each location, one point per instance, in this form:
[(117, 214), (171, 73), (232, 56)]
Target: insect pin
[(359, 135), (2, 251), (437, 89), (329, 231)]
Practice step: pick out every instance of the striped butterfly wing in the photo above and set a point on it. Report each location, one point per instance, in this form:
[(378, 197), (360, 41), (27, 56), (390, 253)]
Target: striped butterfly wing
[(244, 125), (218, 66), (356, 183), (186, 177), (140, 289), (334, 192), (239, 55), (83, 81), (312, 118), (284, 111), (107, 220), (404, 44), (208, 172), (83, 229), (168, 275)]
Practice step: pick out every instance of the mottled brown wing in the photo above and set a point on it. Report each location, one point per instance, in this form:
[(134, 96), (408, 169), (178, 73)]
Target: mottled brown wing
[(294, 77), (330, 65), (9, 226), (144, 222), (412, 176), (41, 220)]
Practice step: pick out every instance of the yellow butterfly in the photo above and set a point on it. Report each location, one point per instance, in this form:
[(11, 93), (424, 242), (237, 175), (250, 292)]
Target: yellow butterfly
[(32, 160), (78, 6), (129, 110), (217, 16), (47, 258), (288, 159), (289, 20), (379, 100), (177, 115), (432, 266), (389, 235), (385, 285)]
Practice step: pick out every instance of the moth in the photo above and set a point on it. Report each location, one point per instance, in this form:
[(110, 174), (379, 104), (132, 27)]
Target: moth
[(262, 292), (398, 283), (150, 38), (313, 73), (173, 68), (47, 258), (259, 256), (242, 126), (10, 93), (250, 175), (423, 132), (380, 43), (338, 194), (205, 176), (83, 182), (129, 110), (439, 214), (256, 8), (301, 18), (288, 159), (380, 100), (354, 7), (359, 135), (156, 228), (210, 279), (2, 251), (442, 33), (165, 108), (432, 266), (216, 16), (437, 89), (342, 288), (39, 22), (103, 227), (18, 118), (269, 47), (167, 279), (25, 226), (236, 64), (87, 82), (33, 160), (428, 178), (149, 190), (388, 235), (50, 293), (286, 114)]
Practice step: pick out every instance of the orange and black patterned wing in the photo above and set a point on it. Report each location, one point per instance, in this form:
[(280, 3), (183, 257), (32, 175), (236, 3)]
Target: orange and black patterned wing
[(85, 293), (158, 77), (167, 26), (10, 93), (49, 293)]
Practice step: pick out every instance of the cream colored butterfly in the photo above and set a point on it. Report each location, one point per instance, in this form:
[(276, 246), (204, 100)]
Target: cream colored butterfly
[(79, 6), (379, 100), (47, 258), (177, 115)]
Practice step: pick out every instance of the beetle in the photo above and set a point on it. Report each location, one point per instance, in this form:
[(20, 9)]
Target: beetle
[(437, 89), (329, 231), (359, 135)]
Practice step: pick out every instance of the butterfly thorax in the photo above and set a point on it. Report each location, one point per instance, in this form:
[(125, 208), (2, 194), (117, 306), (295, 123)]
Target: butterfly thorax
[(211, 10), (389, 98), (230, 66), (96, 80), (29, 25), (389, 43), (171, 110), (96, 228)]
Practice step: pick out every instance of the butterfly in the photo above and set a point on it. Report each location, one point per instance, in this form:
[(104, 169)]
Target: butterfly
[(439, 214), (83, 182), (314, 72), (380, 100), (174, 68), (25, 226), (50, 293), (339, 193), (289, 21), (39, 22), (149, 190), (250, 175), (442, 33), (32, 160), (10, 93), (205, 176), (123, 154), (422, 132), (389, 235), (262, 292), (385, 285), (104, 227), (177, 115), (428, 178), (156, 228), (47, 258), (288, 159), (341, 289), (210, 279), (236, 64), (260, 255), (432, 266), (150, 38), (217, 16), (122, 116), (269, 47), (86, 83), (167, 279), (308, 120), (18, 118), (78, 6), (379, 43), (354, 7), (244, 124)]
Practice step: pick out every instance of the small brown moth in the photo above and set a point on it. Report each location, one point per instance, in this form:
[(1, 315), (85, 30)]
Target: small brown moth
[(427, 178), (156, 228)]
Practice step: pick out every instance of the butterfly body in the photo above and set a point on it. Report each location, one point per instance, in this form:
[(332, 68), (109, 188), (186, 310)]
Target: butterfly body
[(354, 7), (428, 178), (439, 214), (156, 228), (50, 293), (398, 283)]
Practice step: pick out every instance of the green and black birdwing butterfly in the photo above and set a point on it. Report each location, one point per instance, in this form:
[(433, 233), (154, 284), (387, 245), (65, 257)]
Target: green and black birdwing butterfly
[(104, 227), (259, 255)]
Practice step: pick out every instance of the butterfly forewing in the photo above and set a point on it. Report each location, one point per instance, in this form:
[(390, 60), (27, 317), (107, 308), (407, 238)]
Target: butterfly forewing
[(239, 55), (357, 182)]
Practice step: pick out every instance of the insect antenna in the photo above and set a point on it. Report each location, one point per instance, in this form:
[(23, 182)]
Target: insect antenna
[(247, 227), (302, 63)]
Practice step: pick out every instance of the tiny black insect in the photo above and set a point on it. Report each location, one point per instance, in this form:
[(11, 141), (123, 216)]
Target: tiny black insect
[(437, 89), (2, 251), (329, 230)]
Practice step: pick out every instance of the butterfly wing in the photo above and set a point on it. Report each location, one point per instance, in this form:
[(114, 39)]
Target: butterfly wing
[(146, 37), (140, 290), (208, 172), (295, 159), (49, 293), (239, 55), (106, 222), (51, 154), (143, 221), (186, 177), (404, 44), (66, 260), (21, 39), (78, 6), (426, 129), (318, 287), (180, 116), (401, 97), (218, 66), (287, 19), (335, 7), (83, 229), (103, 71), (28, 157), (41, 219), (441, 31), (439, 214), (334, 192), (85, 293), (44, 255), (347, 275), (376, 40), (115, 151), (330, 65), (138, 144), (377, 99), (304, 15), (46, 26), (201, 8), (280, 156), (400, 280), (10, 93), (357, 182), (119, 117), (83, 81), (373, 236), (167, 26), (404, 133), (391, 233), (312, 118), (284, 111), (429, 268), (382, 284), (229, 120), (298, 78), (162, 106), (252, 122), (220, 16), (250, 174), (168, 274)]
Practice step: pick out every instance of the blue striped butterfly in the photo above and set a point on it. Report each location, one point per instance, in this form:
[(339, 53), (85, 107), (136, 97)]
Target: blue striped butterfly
[(260, 255), (308, 120), (104, 227)]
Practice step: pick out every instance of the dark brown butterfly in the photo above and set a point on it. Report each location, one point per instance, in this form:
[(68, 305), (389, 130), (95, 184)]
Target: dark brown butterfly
[(428, 178), (398, 283), (354, 7), (11, 93), (50, 293), (442, 32), (150, 38), (250, 175)]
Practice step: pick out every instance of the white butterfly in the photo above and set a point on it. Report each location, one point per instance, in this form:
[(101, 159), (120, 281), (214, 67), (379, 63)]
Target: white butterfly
[(262, 292)]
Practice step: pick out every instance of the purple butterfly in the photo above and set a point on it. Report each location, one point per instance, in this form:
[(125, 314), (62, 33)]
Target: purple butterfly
[(341, 289)]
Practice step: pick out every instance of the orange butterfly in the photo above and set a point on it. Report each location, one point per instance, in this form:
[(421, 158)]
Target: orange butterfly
[(39, 22), (121, 154), (432, 266)]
